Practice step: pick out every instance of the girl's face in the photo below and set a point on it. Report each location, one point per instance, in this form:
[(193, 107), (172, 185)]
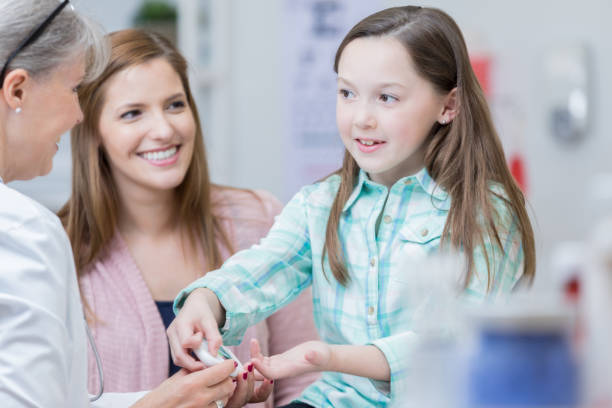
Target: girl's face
[(384, 110), (147, 127)]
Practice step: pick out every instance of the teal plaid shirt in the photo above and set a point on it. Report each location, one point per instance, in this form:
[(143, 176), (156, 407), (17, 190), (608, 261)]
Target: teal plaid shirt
[(379, 229)]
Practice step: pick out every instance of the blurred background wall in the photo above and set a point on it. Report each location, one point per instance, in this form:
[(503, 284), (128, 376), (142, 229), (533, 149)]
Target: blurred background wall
[(244, 95)]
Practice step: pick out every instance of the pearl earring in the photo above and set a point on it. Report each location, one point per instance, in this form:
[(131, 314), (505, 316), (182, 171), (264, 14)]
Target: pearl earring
[(443, 121), (18, 110)]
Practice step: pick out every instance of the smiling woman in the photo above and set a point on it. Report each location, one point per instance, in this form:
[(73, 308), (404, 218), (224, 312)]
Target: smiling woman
[(148, 133), (145, 220)]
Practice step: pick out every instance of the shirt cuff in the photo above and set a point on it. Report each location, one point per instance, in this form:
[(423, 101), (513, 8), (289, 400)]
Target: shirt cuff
[(236, 323), (397, 350)]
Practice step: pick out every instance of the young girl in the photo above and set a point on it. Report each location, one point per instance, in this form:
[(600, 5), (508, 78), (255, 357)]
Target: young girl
[(423, 170), (144, 220)]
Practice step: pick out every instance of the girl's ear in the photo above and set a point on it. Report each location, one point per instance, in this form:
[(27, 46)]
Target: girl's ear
[(14, 88), (450, 108)]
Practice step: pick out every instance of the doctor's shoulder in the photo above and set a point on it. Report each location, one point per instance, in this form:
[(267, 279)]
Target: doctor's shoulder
[(17, 211)]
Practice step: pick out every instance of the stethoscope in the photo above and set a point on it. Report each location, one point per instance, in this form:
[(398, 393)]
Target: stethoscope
[(92, 343)]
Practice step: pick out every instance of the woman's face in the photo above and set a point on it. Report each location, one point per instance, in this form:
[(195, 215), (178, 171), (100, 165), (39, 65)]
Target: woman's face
[(147, 127), (50, 108)]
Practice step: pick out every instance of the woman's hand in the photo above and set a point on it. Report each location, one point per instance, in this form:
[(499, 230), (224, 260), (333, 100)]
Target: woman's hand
[(199, 318), (303, 358), (198, 389), (246, 392)]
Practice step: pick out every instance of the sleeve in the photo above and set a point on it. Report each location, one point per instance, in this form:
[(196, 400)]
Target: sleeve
[(403, 350), (35, 344), (116, 400), (399, 351), (256, 282), (290, 326), (505, 264)]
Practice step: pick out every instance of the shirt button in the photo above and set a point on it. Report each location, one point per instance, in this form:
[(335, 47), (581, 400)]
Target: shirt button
[(387, 219), (371, 310), (408, 182), (424, 232), (373, 262)]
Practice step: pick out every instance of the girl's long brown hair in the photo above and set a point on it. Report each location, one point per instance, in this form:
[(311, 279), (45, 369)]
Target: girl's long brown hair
[(90, 215), (463, 157)]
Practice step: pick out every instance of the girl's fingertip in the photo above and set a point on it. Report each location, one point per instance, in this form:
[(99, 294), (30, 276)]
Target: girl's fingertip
[(245, 375)]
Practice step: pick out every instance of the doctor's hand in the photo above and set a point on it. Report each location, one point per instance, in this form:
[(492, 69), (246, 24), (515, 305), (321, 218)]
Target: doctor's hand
[(303, 358), (198, 389), (200, 317)]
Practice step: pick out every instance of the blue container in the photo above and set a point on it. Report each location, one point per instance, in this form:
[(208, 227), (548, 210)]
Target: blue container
[(523, 368)]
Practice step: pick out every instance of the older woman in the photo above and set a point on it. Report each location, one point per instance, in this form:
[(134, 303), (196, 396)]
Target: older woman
[(46, 51)]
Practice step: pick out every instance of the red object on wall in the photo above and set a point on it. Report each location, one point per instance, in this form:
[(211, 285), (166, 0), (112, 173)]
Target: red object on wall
[(481, 64), (517, 168)]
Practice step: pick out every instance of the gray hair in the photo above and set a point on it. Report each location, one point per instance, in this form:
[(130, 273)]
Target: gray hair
[(69, 35)]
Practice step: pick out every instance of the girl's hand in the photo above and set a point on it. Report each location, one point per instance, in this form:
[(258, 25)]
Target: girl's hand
[(198, 389), (303, 358), (199, 317), (246, 392)]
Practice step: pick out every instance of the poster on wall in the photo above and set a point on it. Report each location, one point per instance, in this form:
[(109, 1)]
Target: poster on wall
[(313, 30)]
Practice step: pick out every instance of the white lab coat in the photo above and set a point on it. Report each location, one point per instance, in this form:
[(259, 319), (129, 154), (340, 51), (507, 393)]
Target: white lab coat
[(43, 342)]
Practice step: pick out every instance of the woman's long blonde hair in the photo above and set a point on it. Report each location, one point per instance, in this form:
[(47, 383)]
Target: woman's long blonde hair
[(90, 215), (463, 157)]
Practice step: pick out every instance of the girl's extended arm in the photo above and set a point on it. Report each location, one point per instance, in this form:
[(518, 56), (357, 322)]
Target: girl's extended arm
[(362, 360), (251, 285)]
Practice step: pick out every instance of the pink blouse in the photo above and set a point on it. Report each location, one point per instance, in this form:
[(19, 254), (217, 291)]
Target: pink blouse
[(129, 331)]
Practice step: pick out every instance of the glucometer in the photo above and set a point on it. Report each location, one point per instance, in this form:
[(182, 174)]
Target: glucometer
[(224, 354)]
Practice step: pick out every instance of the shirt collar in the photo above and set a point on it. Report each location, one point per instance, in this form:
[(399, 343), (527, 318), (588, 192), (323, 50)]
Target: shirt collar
[(363, 177), (430, 186), (422, 178)]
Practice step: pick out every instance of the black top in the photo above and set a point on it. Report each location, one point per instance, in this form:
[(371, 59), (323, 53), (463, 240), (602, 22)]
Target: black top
[(167, 315)]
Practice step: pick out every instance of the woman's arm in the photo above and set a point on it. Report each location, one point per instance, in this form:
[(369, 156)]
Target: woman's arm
[(198, 389)]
